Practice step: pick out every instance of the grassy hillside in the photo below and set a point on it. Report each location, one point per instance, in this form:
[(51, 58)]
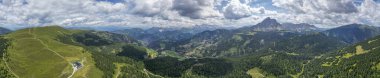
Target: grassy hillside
[(117, 56), (357, 61), (36, 53), (54, 52), (4, 71)]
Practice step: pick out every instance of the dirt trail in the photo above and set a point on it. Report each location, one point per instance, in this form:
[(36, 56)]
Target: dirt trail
[(6, 64), (76, 67)]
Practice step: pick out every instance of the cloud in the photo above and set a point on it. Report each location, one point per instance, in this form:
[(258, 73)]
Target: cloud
[(196, 8), (185, 13), (330, 12), (49, 12), (237, 9), (325, 6), (149, 7)]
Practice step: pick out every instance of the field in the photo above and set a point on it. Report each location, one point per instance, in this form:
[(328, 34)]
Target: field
[(256, 73), (36, 53)]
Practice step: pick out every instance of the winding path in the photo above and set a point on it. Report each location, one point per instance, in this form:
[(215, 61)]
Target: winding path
[(46, 47), (56, 53), (6, 64)]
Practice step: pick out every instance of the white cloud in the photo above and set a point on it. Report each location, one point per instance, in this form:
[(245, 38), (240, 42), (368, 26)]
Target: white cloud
[(196, 8), (325, 6), (149, 7), (184, 13), (330, 12), (237, 9)]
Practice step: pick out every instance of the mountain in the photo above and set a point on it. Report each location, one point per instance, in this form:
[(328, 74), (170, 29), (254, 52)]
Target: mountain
[(269, 24), (220, 53), (311, 44), (97, 28), (353, 33), (161, 39), (28, 45), (113, 37), (227, 43), (4, 30), (78, 53), (156, 37), (358, 60), (69, 53), (267, 36), (302, 27)]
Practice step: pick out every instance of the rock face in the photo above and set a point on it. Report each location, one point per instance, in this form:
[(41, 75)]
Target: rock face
[(269, 24)]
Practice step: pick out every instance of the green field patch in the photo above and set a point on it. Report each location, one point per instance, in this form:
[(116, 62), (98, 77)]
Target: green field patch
[(40, 64), (350, 70), (348, 55), (240, 33), (337, 57), (251, 33), (327, 64), (371, 41), (318, 57), (292, 53), (246, 43), (172, 54), (378, 66), (256, 73), (151, 53), (267, 59), (233, 50), (320, 76), (237, 38), (36, 53), (360, 50), (118, 69)]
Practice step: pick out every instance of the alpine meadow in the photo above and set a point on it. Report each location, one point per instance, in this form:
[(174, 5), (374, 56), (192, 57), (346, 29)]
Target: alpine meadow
[(190, 38)]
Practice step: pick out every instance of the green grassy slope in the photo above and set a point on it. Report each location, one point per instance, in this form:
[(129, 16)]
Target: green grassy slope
[(357, 61), (4, 71), (36, 53), (49, 52), (117, 56)]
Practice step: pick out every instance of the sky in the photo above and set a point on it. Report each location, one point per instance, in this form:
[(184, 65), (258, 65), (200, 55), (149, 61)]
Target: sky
[(186, 13)]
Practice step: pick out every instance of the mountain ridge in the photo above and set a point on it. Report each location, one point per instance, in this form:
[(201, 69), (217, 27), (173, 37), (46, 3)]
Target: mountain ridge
[(353, 33)]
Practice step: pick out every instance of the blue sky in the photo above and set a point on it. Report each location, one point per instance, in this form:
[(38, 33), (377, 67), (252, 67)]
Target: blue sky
[(185, 13)]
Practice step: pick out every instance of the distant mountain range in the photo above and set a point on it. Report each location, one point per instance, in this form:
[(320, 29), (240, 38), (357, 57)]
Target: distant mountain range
[(267, 36), (157, 37), (267, 49), (269, 24), (353, 33), (256, 38), (4, 30)]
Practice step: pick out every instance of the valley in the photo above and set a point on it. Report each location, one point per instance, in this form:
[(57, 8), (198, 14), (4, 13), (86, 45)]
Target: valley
[(269, 51), (189, 38)]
